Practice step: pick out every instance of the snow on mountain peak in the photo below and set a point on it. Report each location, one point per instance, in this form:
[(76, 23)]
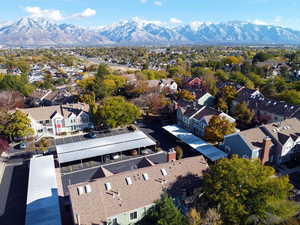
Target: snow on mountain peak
[(137, 31)]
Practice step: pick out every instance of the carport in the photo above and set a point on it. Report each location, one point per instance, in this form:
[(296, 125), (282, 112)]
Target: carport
[(100, 147), (208, 150)]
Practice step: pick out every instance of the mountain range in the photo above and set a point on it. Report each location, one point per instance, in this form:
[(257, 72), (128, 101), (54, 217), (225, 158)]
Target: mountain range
[(30, 31)]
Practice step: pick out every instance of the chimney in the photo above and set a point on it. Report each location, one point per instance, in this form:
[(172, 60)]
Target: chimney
[(267, 144), (171, 155)]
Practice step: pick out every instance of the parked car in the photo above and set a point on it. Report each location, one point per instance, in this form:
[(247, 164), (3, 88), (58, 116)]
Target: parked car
[(116, 156), (91, 135)]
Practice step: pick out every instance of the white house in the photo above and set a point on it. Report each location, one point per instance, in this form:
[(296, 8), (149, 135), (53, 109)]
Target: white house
[(54, 120)]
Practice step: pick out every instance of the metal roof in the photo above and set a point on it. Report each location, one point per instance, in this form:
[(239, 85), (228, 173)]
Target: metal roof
[(102, 146), (208, 150), (42, 199)]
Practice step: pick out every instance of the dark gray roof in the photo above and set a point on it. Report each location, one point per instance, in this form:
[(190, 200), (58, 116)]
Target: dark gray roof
[(256, 101), (114, 168)]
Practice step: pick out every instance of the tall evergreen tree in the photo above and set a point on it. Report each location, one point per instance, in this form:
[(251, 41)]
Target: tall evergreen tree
[(164, 212)]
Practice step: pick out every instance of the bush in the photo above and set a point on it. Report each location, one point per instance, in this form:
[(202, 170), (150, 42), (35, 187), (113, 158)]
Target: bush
[(179, 152)]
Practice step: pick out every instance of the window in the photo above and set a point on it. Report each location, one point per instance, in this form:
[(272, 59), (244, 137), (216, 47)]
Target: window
[(133, 215)]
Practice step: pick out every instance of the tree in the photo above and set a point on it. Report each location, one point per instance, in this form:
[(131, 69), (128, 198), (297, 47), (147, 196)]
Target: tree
[(11, 99), (18, 125), (186, 95), (244, 189), (217, 128), (116, 111), (193, 217), (261, 57), (156, 103), (243, 113), (164, 212), (88, 98), (103, 70), (229, 93), (212, 217), (222, 105)]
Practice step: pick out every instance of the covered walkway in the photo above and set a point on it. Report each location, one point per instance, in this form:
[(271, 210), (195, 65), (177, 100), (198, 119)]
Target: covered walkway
[(208, 150)]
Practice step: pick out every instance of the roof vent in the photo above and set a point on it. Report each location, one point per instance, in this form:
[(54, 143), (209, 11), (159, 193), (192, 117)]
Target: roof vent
[(145, 176), (163, 172), (128, 180), (88, 188), (80, 190), (107, 186)]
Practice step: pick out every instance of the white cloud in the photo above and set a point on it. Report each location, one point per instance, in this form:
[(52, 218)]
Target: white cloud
[(143, 1), (86, 13), (175, 21), (259, 22), (158, 3), (51, 14), (57, 15)]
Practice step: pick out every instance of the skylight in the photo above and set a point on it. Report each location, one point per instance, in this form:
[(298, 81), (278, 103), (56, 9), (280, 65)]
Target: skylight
[(108, 186), (145, 176), (163, 172), (128, 180)]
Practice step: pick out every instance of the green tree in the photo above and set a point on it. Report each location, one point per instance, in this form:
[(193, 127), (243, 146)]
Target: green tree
[(116, 111), (18, 125), (245, 190), (102, 71), (243, 113), (217, 128), (88, 98), (164, 212), (228, 93), (222, 105)]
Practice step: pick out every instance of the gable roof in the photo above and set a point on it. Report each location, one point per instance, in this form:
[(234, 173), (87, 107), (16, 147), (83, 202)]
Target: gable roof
[(257, 101), (98, 205), (284, 130), (253, 137), (47, 113)]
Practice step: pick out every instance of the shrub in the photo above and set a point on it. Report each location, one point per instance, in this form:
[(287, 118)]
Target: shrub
[(179, 152)]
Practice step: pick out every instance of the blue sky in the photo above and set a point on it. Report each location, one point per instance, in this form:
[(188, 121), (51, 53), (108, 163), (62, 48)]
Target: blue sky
[(102, 12)]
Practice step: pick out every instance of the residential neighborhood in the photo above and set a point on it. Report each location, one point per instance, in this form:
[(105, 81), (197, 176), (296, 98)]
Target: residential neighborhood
[(89, 140)]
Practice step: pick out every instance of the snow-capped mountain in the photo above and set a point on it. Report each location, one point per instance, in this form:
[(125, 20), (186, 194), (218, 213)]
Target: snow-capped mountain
[(239, 32), (40, 32), (137, 31)]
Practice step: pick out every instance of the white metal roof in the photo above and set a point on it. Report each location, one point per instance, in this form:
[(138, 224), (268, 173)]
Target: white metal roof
[(196, 143), (102, 146), (42, 199)]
